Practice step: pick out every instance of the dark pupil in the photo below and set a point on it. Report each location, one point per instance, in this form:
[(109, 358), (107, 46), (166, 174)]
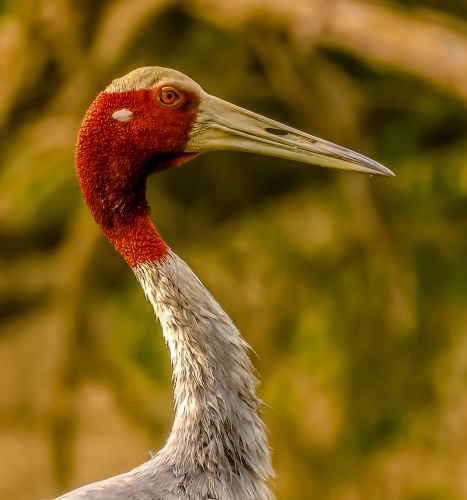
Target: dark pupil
[(169, 96)]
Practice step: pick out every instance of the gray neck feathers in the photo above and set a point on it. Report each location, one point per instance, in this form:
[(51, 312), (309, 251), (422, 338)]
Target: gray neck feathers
[(217, 446)]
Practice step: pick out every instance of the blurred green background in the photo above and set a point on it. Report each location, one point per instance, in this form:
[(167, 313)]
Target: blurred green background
[(351, 289)]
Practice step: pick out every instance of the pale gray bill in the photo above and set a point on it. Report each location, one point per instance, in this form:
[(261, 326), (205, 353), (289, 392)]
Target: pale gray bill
[(224, 126)]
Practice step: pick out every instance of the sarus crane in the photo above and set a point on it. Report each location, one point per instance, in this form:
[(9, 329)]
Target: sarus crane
[(149, 120)]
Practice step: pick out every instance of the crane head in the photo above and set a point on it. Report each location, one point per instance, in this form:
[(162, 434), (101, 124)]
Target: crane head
[(154, 118), (161, 118)]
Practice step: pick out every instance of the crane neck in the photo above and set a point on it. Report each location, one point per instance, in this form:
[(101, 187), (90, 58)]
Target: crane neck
[(217, 448), (217, 431)]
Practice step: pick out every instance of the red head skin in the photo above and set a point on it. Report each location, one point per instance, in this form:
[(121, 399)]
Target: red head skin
[(114, 159)]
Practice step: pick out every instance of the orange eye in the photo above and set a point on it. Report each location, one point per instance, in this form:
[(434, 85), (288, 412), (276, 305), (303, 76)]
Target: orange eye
[(168, 96)]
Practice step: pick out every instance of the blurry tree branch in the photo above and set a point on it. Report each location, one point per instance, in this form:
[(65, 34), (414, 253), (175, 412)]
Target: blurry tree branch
[(378, 32), (13, 63), (412, 43), (121, 21)]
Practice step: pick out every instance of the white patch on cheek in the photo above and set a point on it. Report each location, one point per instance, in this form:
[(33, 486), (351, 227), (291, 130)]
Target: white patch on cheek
[(123, 115)]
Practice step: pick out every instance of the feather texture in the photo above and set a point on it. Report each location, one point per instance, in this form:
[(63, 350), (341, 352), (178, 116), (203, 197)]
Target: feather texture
[(217, 448)]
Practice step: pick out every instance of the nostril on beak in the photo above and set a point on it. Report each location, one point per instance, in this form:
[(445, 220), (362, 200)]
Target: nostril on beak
[(276, 131)]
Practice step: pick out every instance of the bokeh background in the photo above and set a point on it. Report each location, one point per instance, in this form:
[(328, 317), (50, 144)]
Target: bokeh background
[(351, 289)]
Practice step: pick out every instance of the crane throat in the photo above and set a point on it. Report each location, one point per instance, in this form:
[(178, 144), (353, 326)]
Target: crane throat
[(114, 157)]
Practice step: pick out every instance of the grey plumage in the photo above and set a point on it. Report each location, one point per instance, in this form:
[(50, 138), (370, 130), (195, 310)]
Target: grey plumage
[(217, 448)]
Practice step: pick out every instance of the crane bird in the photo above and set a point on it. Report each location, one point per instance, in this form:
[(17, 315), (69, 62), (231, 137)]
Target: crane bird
[(149, 120)]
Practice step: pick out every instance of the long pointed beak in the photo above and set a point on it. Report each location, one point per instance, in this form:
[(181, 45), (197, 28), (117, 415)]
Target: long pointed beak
[(221, 126)]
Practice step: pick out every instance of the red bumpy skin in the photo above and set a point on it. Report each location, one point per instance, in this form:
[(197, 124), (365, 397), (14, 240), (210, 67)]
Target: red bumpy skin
[(114, 159)]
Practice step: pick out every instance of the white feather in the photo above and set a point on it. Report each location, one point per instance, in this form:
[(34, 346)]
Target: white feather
[(123, 115)]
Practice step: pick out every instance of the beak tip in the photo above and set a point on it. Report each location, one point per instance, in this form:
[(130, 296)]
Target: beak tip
[(389, 173), (382, 170)]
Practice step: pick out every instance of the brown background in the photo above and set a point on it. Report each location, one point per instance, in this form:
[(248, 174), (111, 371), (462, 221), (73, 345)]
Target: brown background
[(351, 289)]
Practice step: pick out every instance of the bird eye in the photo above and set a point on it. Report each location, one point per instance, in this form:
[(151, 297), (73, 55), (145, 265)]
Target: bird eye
[(168, 96)]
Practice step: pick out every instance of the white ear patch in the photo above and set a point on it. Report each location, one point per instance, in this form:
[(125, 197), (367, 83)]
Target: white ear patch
[(123, 115)]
